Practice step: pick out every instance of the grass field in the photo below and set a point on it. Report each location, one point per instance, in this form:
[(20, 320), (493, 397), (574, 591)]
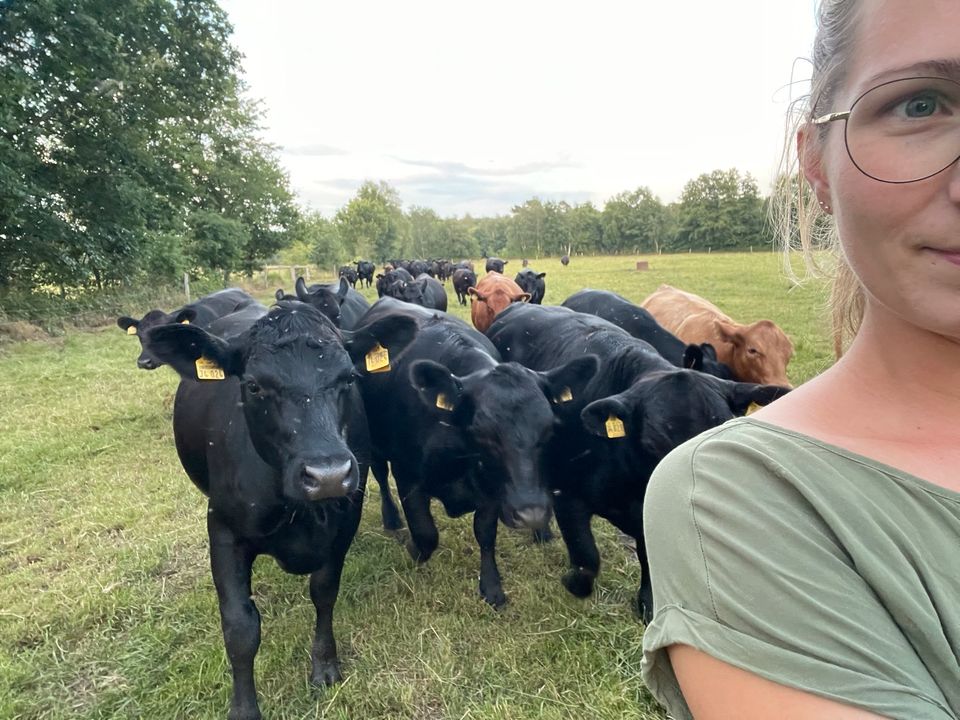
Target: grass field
[(107, 609)]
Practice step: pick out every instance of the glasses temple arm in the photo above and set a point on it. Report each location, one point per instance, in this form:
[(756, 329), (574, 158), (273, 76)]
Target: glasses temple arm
[(830, 117)]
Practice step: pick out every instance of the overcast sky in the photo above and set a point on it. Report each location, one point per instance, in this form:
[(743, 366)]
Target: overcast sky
[(475, 107)]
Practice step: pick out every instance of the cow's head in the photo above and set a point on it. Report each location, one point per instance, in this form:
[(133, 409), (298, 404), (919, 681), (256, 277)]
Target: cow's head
[(140, 328), (703, 358), (409, 291), (529, 281), (668, 407), (490, 299), (324, 298), (761, 351), (506, 416), (295, 377)]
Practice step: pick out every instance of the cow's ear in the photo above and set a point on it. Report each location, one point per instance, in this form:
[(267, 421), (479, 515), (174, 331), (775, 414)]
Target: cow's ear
[(607, 418), (472, 292), (541, 275), (279, 294), (728, 333), (505, 262), (125, 323), (392, 333), (186, 316), (441, 391), (181, 346), (692, 357), (709, 351), (342, 290), (303, 294), (522, 297), (567, 382), (740, 396)]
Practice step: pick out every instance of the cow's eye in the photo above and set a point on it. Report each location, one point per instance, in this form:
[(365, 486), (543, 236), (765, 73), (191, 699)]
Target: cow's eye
[(252, 387), (753, 351)]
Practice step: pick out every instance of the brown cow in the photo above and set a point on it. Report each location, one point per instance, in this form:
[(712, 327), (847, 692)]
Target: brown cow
[(756, 353), (492, 294)]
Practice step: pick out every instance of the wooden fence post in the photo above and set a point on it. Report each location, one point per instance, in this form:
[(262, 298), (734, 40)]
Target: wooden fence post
[(186, 286)]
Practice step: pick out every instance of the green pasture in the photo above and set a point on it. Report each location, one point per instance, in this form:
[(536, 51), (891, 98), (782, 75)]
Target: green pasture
[(107, 609)]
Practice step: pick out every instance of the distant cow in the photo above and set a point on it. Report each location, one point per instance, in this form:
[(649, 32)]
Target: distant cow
[(495, 264), (387, 280), (419, 267), (465, 264), (432, 293), (459, 425), (348, 273), (365, 271), (444, 270), (756, 353), (641, 324), (493, 293), (200, 312), (530, 281), (565, 260), (636, 409), (339, 302), (271, 427), (463, 279)]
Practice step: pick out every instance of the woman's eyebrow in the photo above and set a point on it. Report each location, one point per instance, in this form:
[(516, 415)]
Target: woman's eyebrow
[(947, 68)]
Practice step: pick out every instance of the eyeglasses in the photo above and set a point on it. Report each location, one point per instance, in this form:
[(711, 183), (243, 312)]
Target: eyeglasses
[(903, 130)]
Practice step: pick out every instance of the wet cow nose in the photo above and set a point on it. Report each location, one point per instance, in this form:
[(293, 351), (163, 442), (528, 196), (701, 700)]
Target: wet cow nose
[(533, 516), (329, 479), (145, 363)]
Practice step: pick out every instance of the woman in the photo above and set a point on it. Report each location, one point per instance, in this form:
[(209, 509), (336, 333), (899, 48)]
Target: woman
[(806, 560)]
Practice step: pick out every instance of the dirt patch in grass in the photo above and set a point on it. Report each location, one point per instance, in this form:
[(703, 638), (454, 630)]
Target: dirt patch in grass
[(19, 330)]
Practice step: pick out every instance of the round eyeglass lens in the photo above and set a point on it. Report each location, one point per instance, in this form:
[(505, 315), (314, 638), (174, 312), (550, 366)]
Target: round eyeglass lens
[(905, 130)]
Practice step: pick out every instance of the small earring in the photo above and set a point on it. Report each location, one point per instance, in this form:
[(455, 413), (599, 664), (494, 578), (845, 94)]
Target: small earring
[(824, 207)]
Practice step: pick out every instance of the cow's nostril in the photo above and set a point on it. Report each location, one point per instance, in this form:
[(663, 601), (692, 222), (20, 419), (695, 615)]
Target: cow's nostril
[(327, 478), (533, 516)]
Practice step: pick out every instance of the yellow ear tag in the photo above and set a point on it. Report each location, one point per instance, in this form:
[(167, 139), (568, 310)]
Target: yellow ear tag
[(752, 408), (615, 428), (378, 359), (566, 395), (131, 330), (184, 322), (208, 370), (443, 403)]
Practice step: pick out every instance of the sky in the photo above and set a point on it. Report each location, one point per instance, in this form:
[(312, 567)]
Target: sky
[(476, 107)]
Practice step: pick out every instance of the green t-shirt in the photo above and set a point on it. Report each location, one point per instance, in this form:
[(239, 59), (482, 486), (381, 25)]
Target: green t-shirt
[(808, 565)]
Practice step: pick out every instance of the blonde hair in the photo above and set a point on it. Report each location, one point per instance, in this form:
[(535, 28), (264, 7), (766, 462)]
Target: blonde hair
[(801, 224)]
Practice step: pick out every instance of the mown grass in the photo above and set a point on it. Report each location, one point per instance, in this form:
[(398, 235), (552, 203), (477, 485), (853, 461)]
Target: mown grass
[(107, 609)]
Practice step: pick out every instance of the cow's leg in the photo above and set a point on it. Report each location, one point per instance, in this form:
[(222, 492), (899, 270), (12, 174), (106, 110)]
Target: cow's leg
[(388, 509), (645, 594), (485, 530), (231, 562), (573, 518), (324, 585), (424, 537)]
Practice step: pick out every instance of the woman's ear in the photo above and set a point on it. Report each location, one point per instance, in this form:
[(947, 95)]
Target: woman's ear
[(810, 154)]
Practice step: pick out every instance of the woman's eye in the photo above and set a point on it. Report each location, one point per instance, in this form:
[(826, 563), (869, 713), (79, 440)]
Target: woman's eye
[(920, 107)]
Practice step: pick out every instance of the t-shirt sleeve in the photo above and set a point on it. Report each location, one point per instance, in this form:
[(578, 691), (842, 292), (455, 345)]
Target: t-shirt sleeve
[(745, 569)]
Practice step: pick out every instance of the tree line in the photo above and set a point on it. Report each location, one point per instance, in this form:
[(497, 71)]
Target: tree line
[(721, 210)]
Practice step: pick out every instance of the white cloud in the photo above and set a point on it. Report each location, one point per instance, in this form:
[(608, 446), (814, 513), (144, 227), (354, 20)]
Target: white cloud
[(476, 107)]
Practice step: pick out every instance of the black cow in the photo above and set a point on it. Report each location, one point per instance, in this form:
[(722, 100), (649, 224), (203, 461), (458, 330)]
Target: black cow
[(280, 446), (457, 424), (532, 282), (419, 267), (463, 279), (200, 312), (444, 270), (465, 264), (641, 324), (565, 260), (365, 270), (348, 273), (432, 293), (495, 264), (338, 301), (387, 282), (637, 408)]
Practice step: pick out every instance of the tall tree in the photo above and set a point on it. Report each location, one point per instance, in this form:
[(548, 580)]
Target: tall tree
[(372, 224), (721, 210)]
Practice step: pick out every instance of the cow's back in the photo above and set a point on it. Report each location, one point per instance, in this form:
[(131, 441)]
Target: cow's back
[(671, 307)]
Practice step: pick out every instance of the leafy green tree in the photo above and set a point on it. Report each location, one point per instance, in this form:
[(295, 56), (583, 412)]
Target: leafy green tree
[(721, 210), (320, 234), (633, 222), (586, 229), (372, 224), (425, 233), (216, 242)]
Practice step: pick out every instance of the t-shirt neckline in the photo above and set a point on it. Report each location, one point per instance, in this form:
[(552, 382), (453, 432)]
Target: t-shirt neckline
[(891, 470)]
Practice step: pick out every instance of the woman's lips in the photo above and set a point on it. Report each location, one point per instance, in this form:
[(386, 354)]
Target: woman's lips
[(951, 256)]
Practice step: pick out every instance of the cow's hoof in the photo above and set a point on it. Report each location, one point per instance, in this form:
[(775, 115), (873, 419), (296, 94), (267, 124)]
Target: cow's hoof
[(393, 524), (644, 609), (497, 599), (420, 555), (325, 674), (579, 582)]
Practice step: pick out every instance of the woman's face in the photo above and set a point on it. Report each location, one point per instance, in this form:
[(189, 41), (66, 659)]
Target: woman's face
[(902, 241)]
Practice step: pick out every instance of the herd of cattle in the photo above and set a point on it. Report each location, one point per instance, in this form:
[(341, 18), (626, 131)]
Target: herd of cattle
[(536, 411)]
